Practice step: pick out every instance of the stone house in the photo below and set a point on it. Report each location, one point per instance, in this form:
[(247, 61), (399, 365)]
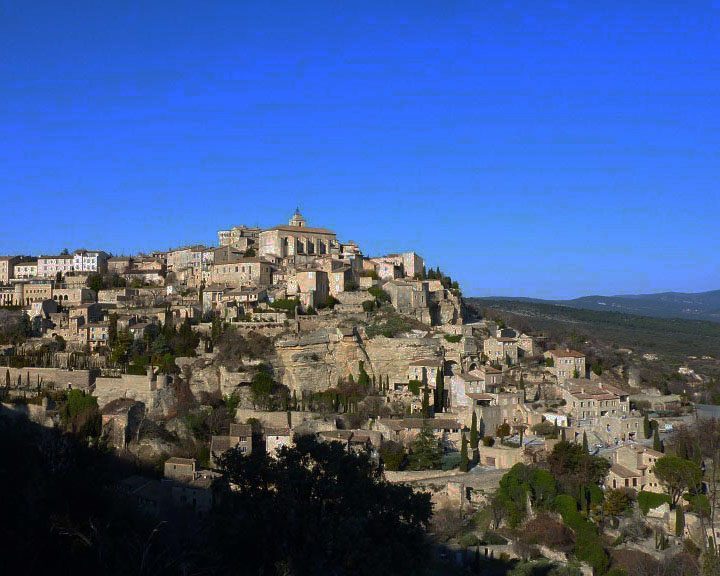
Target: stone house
[(567, 363), (632, 467), (276, 438), (73, 296), (430, 366), (239, 436), (312, 287), (94, 334), (243, 272), (586, 400), (501, 349), (7, 267), (50, 266), (90, 261), (119, 264), (26, 269), (181, 469), (405, 430)]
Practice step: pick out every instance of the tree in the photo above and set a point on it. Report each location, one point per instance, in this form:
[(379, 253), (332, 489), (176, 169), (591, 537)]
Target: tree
[(679, 521), (300, 516), (585, 442), (576, 374), (464, 454), (439, 391), (657, 445), (474, 437), (647, 429), (261, 388), (112, 329), (426, 451), (364, 378), (426, 396), (503, 430), (678, 475), (393, 455), (7, 378), (617, 502)]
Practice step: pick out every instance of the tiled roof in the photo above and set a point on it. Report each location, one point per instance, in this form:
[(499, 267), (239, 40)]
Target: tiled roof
[(567, 353)]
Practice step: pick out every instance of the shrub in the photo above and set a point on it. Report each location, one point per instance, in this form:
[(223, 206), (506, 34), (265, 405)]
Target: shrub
[(648, 500), (393, 455), (414, 387), (453, 338), (488, 441), (368, 305), (379, 294)]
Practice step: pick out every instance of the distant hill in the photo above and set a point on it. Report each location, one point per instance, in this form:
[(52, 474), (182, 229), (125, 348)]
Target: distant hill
[(691, 306), (673, 337)]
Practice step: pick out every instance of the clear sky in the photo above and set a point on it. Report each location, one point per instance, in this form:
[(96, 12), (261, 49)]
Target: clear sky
[(548, 149)]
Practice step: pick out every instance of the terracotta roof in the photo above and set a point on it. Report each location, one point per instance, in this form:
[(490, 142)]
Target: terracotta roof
[(623, 472), (240, 430), (434, 362), (468, 377), (475, 396), (303, 229), (490, 370), (567, 353)]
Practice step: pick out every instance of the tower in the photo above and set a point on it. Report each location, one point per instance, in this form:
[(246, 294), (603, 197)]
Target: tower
[(297, 220)]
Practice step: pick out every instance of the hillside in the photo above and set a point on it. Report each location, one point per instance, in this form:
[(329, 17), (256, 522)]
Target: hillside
[(691, 306), (674, 338)]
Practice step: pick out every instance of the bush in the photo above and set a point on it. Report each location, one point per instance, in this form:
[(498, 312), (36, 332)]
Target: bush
[(368, 305), (379, 294), (451, 460), (453, 338), (648, 500), (393, 455), (488, 441), (414, 387)]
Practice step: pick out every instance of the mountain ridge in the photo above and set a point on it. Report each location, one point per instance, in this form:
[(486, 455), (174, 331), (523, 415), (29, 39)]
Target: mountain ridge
[(687, 305)]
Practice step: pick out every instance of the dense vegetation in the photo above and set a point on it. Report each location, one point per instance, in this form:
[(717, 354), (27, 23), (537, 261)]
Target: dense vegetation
[(316, 509), (674, 338)]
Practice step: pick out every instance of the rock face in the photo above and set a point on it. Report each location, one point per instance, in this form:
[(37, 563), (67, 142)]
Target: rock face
[(316, 361)]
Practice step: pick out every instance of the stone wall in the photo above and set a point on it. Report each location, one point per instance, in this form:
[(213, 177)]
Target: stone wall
[(55, 377)]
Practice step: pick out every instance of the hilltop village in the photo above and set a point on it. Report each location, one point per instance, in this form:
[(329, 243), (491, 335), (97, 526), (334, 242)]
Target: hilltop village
[(173, 358)]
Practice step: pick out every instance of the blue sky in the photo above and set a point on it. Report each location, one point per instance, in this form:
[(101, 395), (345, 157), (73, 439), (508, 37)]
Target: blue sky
[(548, 149)]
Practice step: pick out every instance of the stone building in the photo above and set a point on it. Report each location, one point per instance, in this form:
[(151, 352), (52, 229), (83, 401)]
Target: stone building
[(312, 287), (51, 266), (7, 267), (90, 261), (297, 239), (430, 366), (243, 272), (586, 400), (632, 467), (501, 349), (241, 237), (27, 269), (567, 363)]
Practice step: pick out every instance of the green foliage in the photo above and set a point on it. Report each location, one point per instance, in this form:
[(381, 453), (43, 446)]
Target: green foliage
[(286, 305), (588, 544), (379, 294), (327, 513), (647, 429), (488, 441), (368, 305), (597, 368), (575, 469), (617, 502), (678, 475), (464, 463), (503, 430), (390, 324), (425, 452), (679, 521), (549, 362), (261, 388), (414, 387), (393, 455), (520, 482), (453, 338), (657, 445), (474, 436), (79, 413), (649, 500)]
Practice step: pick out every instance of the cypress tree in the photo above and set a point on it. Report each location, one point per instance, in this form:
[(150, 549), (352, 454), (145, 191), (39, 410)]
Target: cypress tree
[(585, 442), (426, 401), (7, 378), (647, 429), (562, 435), (439, 391), (474, 439), (679, 521), (464, 454), (657, 445)]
